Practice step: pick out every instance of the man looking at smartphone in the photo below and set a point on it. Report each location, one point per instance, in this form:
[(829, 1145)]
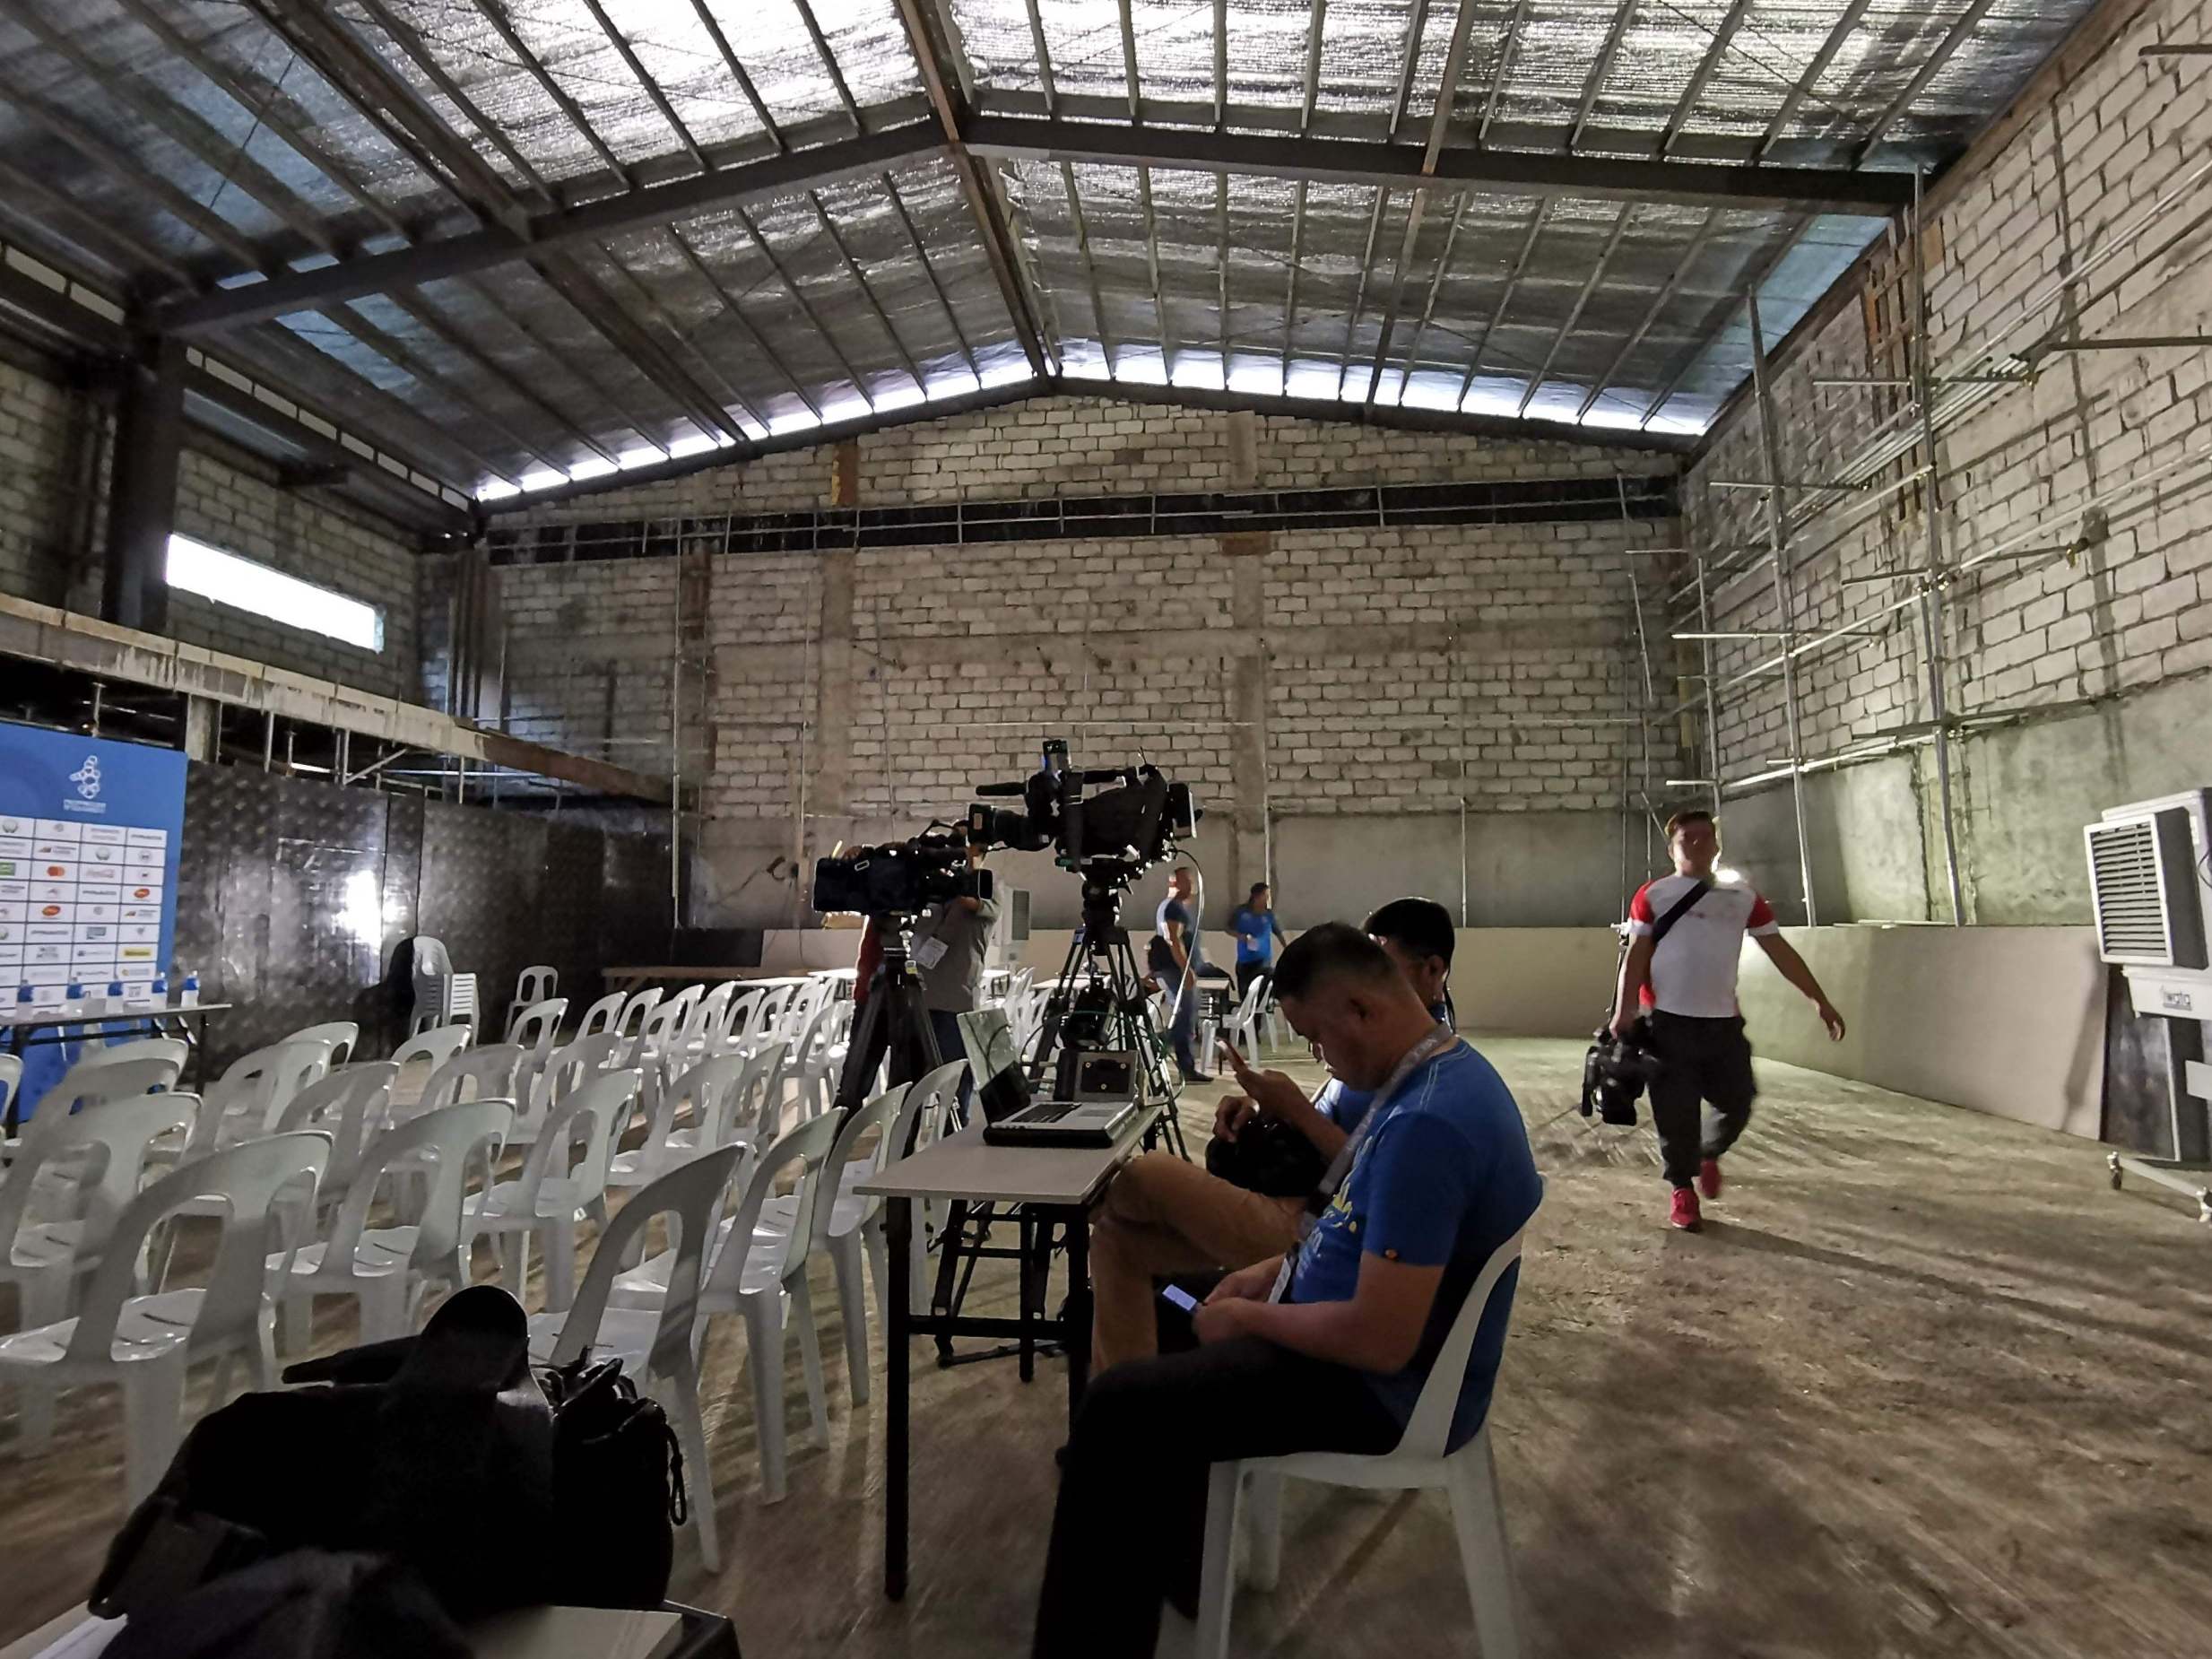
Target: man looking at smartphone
[(1164, 1215), (1325, 1347)]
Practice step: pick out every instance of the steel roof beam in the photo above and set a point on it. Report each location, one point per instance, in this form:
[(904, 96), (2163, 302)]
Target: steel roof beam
[(409, 40), (1802, 88), (494, 14), (651, 87), (829, 64), (798, 296), (951, 105), (1683, 266), (1312, 84), (1686, 104), (652, 205), (1623, 15), (386, 99), (1695, 354), (568, 279), (1574, 315), (655, 316), (1357, 161), (921, 255), (1439, 128), (1507, 49), (736, 314), (1505, 299), (1950, 43), (1144, 189), (860, 281)]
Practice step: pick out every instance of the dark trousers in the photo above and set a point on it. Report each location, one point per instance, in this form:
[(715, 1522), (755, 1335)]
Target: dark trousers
[(949, 1047), (1182, 1029), (1704, 1062), (1247, 972), (1129, 1531)]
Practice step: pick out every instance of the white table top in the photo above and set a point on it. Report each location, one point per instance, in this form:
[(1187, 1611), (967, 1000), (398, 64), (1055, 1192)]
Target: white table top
[(14, 1015), (964, 1166)]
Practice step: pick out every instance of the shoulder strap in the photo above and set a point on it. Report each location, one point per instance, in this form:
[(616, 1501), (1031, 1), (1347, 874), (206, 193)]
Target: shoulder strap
[(1679, 908)]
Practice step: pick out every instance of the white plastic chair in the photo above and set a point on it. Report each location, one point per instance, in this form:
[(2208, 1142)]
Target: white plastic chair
[(105, 1148), (145, 1343), (926, 1115), (711, 1088), (704, 1027), (841, 1226), (538, 983), (535, 1029), (759, 1277), (338, 1036), (92, 1078), (769, 1014), (1420, 1462), (351, 1105), (757, 1112), (813, 1086), (564, 1070), (249, 1098), (1241, 1029), (491, 1068), (388, 1269), (438, 1045), (603, 1015), (173, 1049), (654, 1346), (657, 1032), (11, 1081), (740, 1019), (632, 1021), (550, 1194)]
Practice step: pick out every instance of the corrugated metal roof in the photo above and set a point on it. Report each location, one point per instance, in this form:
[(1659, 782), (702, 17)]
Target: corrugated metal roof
[(175, 147)]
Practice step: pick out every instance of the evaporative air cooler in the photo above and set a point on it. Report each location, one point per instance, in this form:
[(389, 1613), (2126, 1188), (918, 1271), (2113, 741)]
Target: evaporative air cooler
[(2150, 876)]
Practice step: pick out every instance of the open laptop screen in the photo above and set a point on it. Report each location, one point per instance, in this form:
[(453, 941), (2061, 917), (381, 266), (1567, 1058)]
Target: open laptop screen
[(995, 1063)]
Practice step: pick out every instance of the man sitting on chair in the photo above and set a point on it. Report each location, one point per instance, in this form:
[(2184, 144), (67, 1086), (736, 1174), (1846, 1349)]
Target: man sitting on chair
[(1164, 1216), (1323, 1349)]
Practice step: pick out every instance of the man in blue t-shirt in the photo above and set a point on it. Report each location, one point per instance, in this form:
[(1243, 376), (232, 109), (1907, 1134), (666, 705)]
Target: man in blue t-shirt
[(1436, 1178), (1176, 956), (1257, 930)]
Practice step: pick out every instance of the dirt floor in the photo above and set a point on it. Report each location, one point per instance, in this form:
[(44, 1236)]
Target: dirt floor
[(1924, 1386)]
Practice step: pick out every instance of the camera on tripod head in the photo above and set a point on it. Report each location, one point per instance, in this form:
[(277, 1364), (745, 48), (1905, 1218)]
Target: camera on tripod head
[(899, 878), (1115, 835), (1616, 1072)]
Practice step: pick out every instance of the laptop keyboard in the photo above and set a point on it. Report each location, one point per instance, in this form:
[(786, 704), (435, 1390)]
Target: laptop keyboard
[(1045, 1114)]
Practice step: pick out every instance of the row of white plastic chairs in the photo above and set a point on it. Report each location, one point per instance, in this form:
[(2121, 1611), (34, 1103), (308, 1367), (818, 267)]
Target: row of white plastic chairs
[(143, 1337)]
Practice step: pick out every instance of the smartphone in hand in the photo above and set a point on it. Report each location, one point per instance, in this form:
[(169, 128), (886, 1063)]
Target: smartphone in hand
[(1180, 1297)]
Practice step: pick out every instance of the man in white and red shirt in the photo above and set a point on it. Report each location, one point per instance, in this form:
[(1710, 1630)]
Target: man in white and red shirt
[(1683, 988)]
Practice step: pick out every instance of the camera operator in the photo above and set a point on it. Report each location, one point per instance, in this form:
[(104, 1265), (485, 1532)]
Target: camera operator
[(1177, 955), (1683, 992), (950, 941), (1325, 1347), (1164, 1217)]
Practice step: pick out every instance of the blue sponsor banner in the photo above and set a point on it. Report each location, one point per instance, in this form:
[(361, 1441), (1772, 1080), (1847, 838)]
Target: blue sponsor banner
[(91, 831)]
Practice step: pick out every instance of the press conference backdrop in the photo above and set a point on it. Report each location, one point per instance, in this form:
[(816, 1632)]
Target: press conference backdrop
[(90, 833)]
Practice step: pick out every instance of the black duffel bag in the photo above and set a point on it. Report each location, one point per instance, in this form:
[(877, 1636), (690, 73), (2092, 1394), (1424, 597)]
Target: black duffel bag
[(1268, 1157), (442, 1454)]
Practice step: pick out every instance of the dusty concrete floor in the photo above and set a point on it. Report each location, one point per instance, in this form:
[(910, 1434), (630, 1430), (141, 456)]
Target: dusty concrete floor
[(1924, 1386)]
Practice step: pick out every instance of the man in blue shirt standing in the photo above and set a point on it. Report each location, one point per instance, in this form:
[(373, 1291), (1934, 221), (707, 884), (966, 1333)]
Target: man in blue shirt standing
[(1256, 930), (1328, 1354)]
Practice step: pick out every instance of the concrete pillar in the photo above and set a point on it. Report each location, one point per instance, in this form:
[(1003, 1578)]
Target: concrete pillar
[(203, 721), (1246, 553)]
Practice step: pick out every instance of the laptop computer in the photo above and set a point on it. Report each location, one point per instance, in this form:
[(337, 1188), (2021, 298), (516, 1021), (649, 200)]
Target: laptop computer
[(1011, 1118)]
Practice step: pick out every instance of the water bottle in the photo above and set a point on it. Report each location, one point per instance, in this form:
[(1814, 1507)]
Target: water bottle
[(161, 990), (24, 997), (73, 997), (191, 997)]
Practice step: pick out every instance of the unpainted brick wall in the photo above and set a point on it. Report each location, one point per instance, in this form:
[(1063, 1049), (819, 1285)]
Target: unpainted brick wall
[(2126, 431), (231, 500), (47, 433), (1401, 668)]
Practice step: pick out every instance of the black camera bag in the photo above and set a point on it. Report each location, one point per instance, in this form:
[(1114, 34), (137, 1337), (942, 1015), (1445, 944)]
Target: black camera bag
[(1604, 1061), (1270, 1157)]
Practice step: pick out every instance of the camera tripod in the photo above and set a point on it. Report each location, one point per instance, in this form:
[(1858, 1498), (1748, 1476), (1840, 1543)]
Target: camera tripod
[(892, 1025), (1108, 1009)]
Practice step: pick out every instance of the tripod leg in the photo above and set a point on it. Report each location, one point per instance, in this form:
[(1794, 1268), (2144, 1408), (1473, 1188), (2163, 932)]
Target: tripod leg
[(951, 1243), (1028, 1296)]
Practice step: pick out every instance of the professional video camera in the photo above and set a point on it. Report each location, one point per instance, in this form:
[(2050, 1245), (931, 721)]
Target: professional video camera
[(1119, 832), (1616, 1070), (899, 878)]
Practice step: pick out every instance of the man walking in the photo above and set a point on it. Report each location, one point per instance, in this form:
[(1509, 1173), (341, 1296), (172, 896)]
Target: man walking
[(1177, 955), (1678, 975), (1257, 931)]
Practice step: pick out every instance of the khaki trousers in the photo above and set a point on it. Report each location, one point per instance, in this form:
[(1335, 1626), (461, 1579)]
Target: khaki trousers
[(1165, 1215)]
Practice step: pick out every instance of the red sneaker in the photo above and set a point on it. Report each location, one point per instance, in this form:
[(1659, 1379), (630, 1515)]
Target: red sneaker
[(1684, 1214), (1709, 1177)]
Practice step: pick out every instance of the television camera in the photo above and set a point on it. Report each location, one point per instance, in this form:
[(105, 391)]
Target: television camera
[(899, 878)]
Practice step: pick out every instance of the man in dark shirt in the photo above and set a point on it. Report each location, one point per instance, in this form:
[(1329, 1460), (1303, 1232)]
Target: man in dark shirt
[(1177, 955)]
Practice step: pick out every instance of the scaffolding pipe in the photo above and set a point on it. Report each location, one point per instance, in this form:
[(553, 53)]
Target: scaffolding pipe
[(1931, 608), (1713, 720), (1777, 507)]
